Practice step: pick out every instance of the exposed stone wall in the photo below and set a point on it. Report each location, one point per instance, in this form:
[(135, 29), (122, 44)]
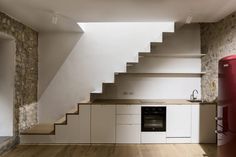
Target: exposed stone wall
[(26, 73), (217, 40)]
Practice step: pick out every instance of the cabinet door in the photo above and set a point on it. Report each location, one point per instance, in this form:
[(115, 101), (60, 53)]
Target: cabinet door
[(178, 121), (103, 124), (128, 109), (207, 124), (128, 133), (128, 119)]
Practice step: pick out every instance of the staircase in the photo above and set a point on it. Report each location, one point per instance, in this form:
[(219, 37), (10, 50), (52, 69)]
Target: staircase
[(50, 130)]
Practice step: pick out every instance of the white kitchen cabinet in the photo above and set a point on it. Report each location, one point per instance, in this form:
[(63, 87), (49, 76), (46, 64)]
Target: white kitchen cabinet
[(153, 137), (103, 124), (178, 121), (128, 119), (128, 123), (128, 109), (128, 133), (77, 129), (203, 123), (178, 140), (207, 124)]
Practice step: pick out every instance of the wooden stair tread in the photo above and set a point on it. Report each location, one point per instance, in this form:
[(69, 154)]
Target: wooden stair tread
[(96, 92), (117, 101), (167, 73), (73, 111), (61, 120), (85, 102), (40, 129), (172, 55), (107, 84)]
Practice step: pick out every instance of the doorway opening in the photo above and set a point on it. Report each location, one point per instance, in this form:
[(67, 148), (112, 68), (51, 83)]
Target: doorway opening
[(7, 71)]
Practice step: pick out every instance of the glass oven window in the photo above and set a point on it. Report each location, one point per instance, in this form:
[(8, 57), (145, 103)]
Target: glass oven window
[(154, 119)]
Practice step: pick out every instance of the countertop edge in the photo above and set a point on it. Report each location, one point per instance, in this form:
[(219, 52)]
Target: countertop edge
[(148, 102)]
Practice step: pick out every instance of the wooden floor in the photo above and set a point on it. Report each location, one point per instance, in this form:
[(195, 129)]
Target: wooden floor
[(157, 150), (4, 138)]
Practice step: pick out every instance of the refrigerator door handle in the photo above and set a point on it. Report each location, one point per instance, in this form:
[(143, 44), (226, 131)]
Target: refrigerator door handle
[(219, 131), (218, 118)]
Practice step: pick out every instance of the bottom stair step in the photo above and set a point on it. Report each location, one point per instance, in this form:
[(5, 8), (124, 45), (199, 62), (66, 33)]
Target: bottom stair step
[(40, 129)]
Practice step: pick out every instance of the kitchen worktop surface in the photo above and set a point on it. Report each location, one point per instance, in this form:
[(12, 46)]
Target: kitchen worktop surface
[(150, 101)]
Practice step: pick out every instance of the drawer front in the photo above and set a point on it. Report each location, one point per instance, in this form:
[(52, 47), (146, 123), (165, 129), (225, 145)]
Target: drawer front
[(128, 133), (178, 140), (153, 137), (103, 124), (128, 119), (128, 109)]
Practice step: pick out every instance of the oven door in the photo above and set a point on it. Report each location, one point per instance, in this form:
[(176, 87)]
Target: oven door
[(154, 119)]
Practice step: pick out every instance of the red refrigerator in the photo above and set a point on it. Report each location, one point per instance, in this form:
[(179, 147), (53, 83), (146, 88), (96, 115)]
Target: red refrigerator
[(226, 114)]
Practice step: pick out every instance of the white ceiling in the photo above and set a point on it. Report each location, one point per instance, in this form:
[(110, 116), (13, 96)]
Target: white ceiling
[(38, 13)]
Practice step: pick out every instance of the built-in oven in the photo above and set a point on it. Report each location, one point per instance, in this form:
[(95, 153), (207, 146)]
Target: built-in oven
[(153, 119)]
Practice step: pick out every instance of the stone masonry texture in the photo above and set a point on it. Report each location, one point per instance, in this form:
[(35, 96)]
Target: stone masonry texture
[(217, 41), (26, 75)]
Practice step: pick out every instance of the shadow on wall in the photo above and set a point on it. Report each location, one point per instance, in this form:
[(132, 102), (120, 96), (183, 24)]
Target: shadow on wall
[(207, 126), (209, 150), (207, 123), (54, 49)]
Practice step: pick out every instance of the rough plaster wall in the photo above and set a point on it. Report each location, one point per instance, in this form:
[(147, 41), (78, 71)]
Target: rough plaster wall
[(26, 74), (217, 40)]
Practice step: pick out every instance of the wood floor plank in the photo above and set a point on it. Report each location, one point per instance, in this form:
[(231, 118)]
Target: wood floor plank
[(115, 150)]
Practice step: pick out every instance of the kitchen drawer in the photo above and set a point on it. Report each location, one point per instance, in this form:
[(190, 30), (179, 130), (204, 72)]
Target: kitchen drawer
[(153, 137), (128, 133), (128, 109), (128, 119), (178, 140)]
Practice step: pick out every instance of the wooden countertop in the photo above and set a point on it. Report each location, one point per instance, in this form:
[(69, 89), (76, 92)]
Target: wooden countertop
[(150, 101)]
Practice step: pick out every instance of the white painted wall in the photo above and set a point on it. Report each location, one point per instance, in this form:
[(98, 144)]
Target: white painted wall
[(151, 87), (53, 50), (185, 40), (103, 49), (7, 69), (167, 65)]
